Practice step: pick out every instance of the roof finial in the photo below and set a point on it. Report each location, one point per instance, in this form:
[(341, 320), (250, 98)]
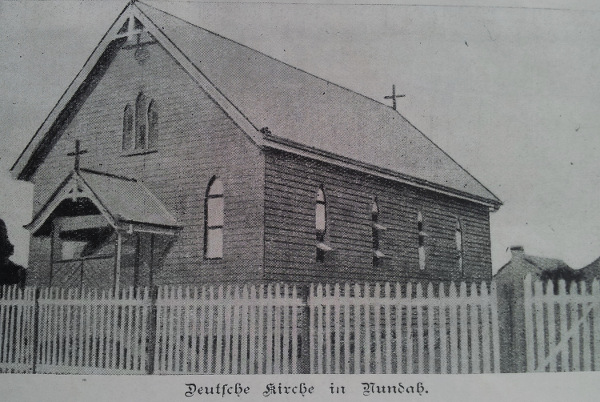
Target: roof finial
[(132, 2), (76, 154), (393, 97)]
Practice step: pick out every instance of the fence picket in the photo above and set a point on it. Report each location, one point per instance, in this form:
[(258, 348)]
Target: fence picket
[(486, 322), (261, 340), (367, 327), (431, 329), (399, 339), (564, 356), (388, 330), (596, 322), (253, 332), (442, 310), (277, 331), (377, 327), (474, 324), (269, 329), (357, 330), (409, 329), (245, 334), (453, 328), (463, 328), (336, 329), (575, 327), (294, 329), (551, 323)]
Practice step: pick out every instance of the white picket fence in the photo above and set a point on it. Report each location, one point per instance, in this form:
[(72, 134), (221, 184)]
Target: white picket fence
[(562, 326), (400, 329), (251, 329), (17, 329), (92, 332), (228, 330)]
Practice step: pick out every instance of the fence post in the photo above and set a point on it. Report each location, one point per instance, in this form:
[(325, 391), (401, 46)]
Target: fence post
[(511, 321), (152, 329), (304, 331), (36, 328)]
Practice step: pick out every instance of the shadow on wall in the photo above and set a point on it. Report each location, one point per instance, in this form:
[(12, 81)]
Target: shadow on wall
[(10, 273)]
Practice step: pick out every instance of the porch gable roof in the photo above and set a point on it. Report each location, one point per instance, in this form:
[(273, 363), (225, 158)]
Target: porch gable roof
[(124, 202)]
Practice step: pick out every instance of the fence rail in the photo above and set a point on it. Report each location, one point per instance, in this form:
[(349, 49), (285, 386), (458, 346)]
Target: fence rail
[(251, 329)]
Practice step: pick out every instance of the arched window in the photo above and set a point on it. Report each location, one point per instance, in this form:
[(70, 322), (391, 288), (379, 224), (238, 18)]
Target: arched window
[(376, 230), (213, 216), (152, 124), (458, 236), (141, 123), (321, 224), (320, 215), (127, 128), (422, 236)]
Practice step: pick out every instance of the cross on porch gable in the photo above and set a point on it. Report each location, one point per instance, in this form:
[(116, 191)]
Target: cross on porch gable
[(77, 153), (393, 97)]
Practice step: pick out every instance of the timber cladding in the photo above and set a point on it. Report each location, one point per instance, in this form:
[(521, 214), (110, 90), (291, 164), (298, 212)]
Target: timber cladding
[(291, 183), (269, 196), (196, 141)]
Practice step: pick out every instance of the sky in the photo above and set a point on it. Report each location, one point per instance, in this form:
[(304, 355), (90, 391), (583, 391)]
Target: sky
[(511, 93)]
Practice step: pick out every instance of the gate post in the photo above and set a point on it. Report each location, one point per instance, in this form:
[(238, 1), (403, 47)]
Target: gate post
[(511, 322), (152, 330)]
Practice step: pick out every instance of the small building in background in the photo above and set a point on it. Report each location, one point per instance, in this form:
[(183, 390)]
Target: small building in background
[(510, 284), (591, 271)]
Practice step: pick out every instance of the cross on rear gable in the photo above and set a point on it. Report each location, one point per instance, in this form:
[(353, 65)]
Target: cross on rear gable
[(393, 97), (77, 153)]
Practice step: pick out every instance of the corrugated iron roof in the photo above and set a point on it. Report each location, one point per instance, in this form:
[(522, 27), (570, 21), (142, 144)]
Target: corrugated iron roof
[(121, 200), (127, 200), (312, 112)]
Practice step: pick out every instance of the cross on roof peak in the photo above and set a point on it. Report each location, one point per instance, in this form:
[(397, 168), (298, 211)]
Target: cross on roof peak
[(78, 151), (393, 97)]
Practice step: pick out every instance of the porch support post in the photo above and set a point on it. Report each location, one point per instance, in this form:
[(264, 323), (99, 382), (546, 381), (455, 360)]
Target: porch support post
[(118, 261)]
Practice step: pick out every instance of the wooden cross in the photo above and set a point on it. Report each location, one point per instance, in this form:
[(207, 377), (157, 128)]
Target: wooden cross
[(77, 153), (393, 97)]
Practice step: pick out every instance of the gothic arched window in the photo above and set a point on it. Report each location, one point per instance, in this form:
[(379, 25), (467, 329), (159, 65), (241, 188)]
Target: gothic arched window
[(152, 124), (213, 220), (127, 128), (321, 224), (458, 236), (376, 230), (141, 124), (422, 235)]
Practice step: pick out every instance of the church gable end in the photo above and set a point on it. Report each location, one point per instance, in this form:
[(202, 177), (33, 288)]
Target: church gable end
[(145, 117)]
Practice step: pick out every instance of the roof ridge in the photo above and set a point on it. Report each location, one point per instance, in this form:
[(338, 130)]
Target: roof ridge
[(271, 57)]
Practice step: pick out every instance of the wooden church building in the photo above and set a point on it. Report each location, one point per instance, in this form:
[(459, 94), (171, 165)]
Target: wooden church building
[(177, 156)]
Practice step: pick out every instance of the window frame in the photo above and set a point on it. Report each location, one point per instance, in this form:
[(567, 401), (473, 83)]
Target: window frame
[(421, 242), (128, 134), (144, 133), (219, 227), (459, 238), (321, 210), (376, 229)]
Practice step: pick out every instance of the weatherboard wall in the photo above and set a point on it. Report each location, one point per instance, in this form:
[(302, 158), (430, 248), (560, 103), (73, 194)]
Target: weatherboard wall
[(291, 183), (197, 141)]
